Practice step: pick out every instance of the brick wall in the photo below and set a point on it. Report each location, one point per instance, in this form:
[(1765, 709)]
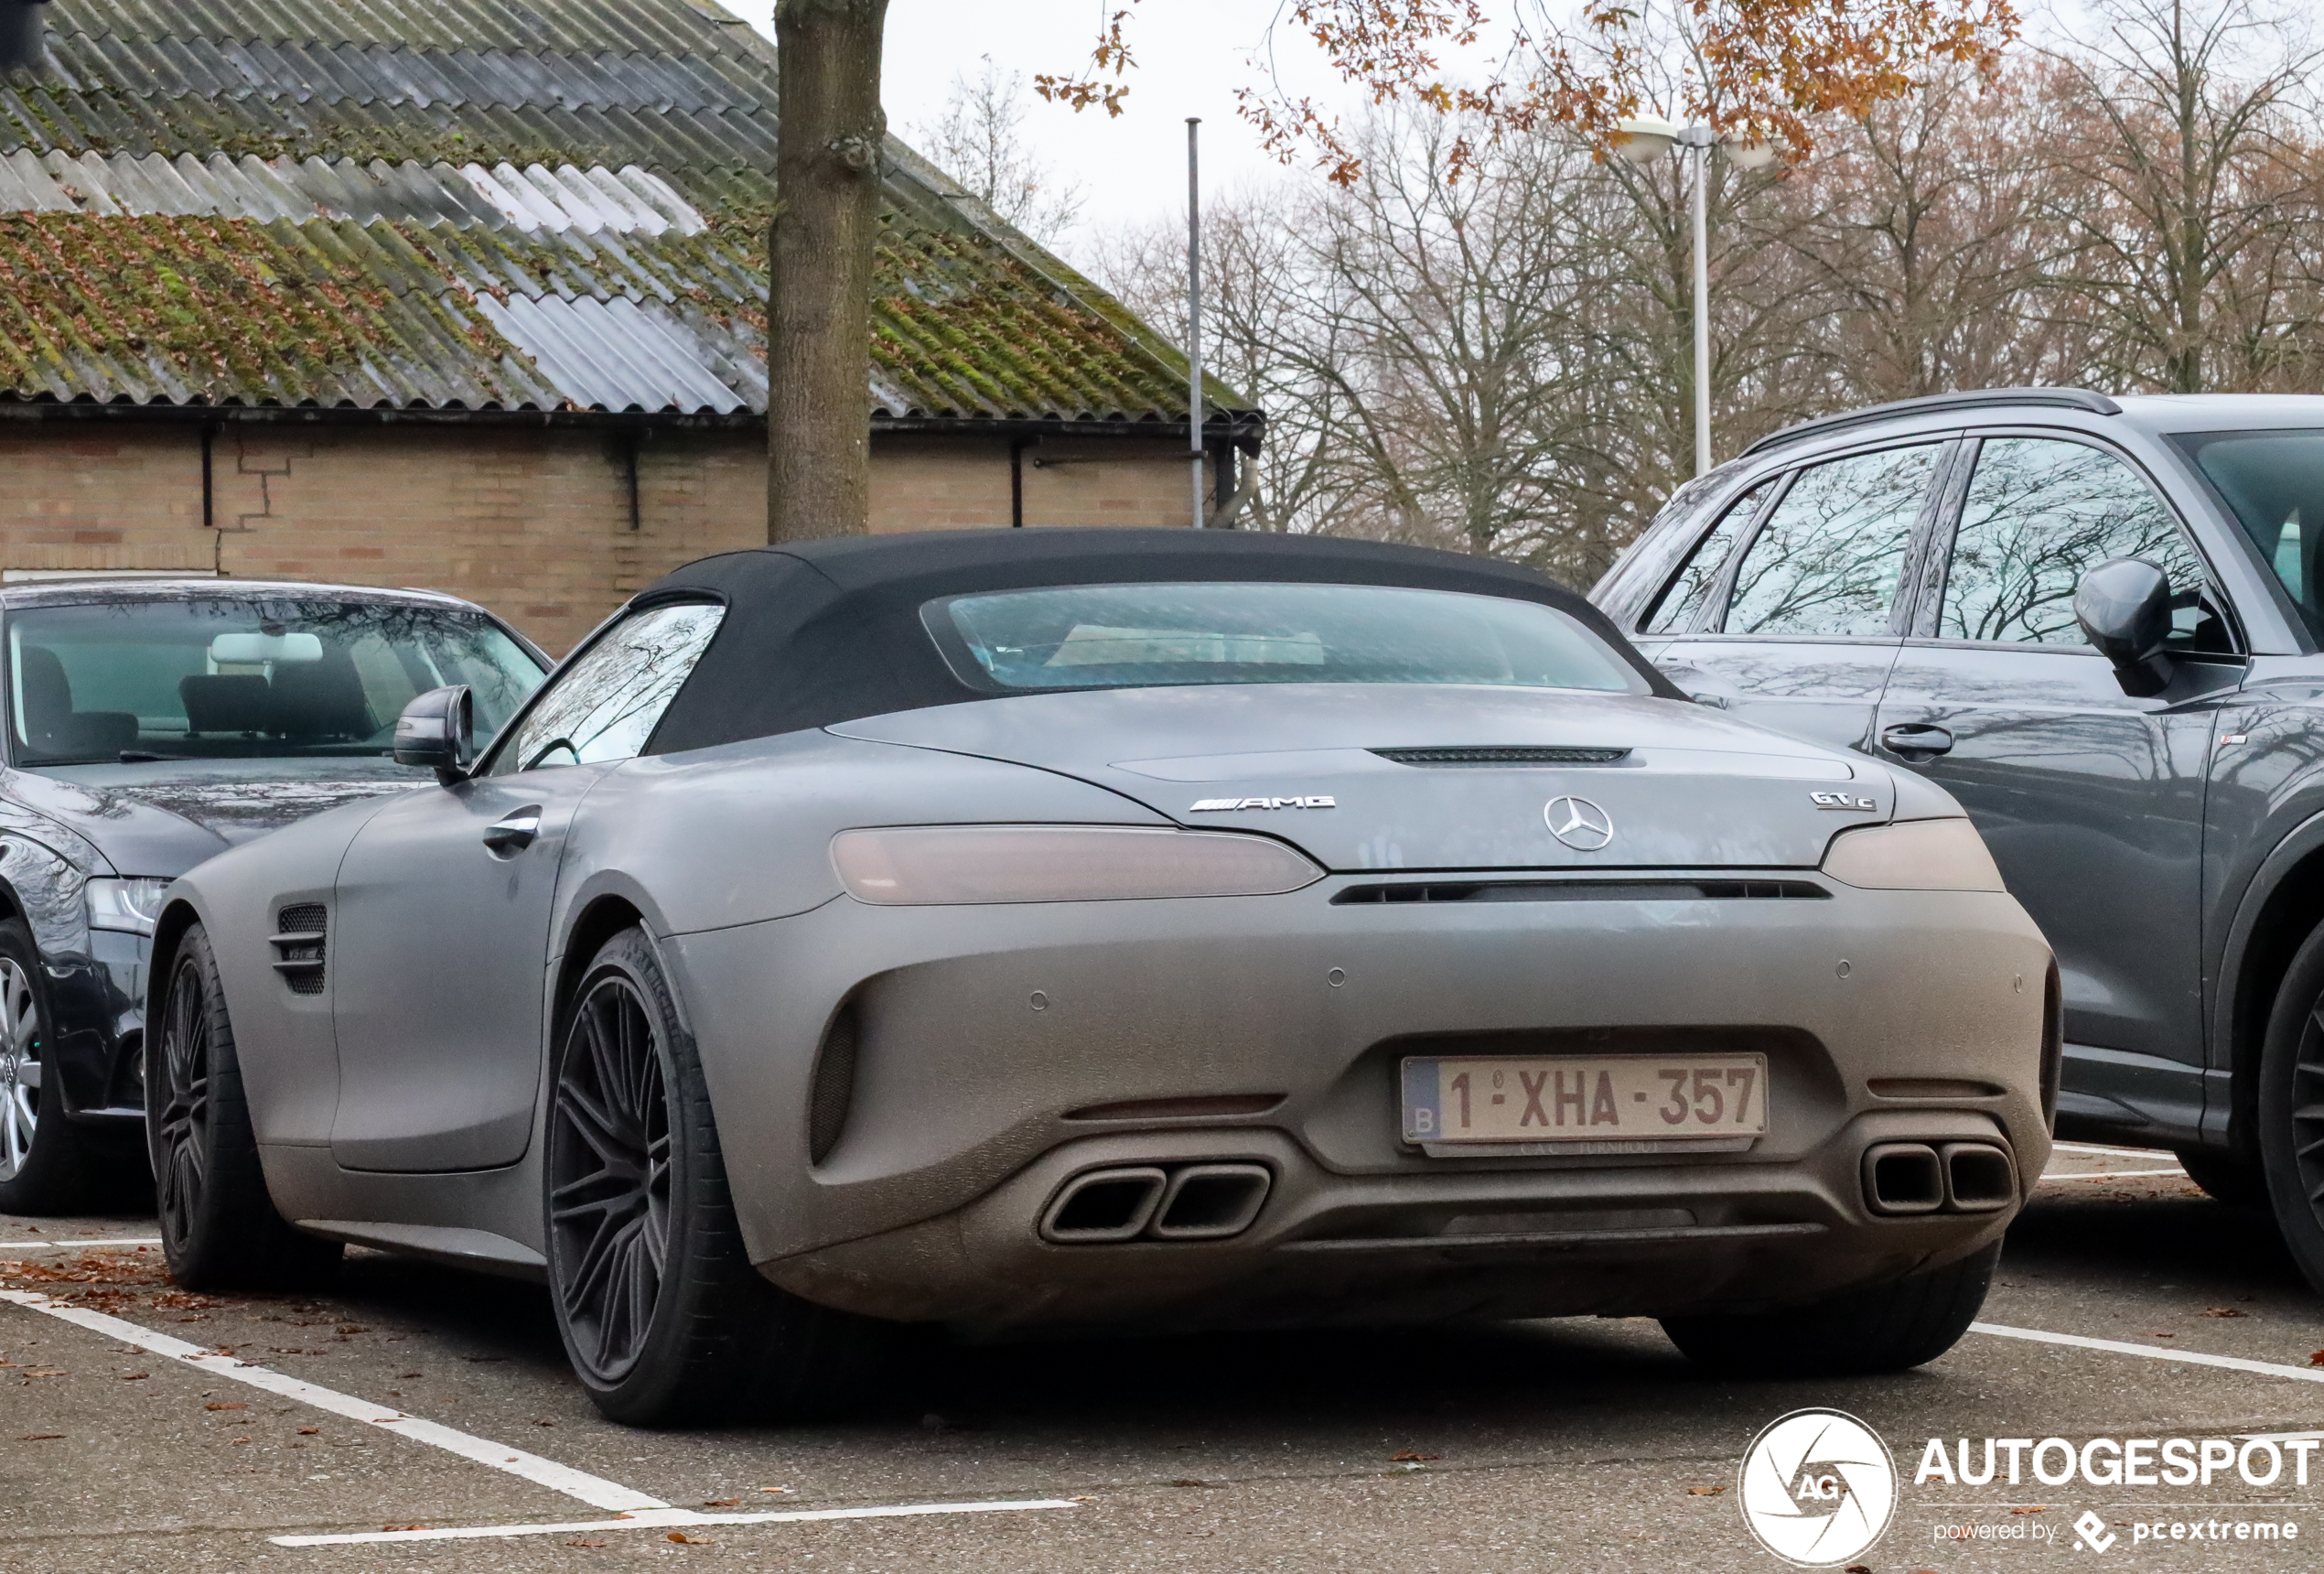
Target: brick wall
[(534, 524)]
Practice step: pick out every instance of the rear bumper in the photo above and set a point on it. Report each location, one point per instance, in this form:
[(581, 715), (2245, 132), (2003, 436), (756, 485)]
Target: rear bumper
[(990, 1042)]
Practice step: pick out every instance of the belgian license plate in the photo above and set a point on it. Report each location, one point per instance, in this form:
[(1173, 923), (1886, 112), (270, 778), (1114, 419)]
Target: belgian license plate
[(1584, 1098)]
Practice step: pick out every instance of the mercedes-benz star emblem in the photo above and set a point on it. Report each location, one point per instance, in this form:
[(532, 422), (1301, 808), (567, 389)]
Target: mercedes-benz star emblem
[(1579, 823)]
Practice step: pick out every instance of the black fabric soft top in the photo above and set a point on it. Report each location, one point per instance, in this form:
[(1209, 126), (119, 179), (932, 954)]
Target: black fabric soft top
[(827, 632)]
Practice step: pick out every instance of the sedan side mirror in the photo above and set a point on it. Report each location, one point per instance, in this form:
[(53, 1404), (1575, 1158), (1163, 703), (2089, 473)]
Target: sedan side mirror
[(2123, 608), (438, 731)]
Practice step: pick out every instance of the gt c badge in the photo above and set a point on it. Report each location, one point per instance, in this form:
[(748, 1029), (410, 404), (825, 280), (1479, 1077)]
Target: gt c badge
[(1841, 801), (1227, 805), (1579, 823)]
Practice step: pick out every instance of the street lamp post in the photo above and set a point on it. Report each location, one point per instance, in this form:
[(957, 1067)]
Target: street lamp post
[(1642, 142)]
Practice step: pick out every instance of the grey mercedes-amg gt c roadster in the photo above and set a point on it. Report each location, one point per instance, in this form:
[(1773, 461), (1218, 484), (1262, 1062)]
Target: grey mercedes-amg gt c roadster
[(1112, 929)]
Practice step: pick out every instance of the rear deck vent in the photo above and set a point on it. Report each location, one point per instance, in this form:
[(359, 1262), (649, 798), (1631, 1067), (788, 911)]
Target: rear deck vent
[(298, 946), (1504, 754), (1584, 891)]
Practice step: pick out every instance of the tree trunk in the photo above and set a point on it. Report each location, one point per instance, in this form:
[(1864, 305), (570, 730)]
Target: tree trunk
[(819, 252)]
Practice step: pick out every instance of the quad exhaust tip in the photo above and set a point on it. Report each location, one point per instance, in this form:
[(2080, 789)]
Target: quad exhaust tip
[(1188, 1202), (1903, 1178)]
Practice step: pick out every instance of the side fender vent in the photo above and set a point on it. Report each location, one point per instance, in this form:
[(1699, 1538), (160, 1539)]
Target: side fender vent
[(298, 946)]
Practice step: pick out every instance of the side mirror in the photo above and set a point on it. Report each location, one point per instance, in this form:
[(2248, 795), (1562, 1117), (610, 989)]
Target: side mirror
[(438, 731), (2123, 608)]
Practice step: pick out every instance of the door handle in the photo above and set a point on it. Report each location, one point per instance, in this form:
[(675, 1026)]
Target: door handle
[(513, 832), (1916, 741)]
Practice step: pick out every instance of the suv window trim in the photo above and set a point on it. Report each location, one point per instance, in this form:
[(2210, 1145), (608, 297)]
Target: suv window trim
[(1938, 573)]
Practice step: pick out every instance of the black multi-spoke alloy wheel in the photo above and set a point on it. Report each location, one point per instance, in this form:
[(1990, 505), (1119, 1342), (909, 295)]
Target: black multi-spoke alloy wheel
[(2291, 1108), (218, 1226), (45, 1165), (1887, 1328), (664, 1319)]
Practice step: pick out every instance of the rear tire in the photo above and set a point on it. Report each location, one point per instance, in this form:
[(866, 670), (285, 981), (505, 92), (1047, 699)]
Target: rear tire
[(48, 1164), (2223, 1179), (663, 1317), (1888, 1328), (219, 1227)]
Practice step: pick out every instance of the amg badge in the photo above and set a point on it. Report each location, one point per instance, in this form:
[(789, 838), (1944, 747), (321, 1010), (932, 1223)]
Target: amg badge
[(1227, 805), (1841, 801)]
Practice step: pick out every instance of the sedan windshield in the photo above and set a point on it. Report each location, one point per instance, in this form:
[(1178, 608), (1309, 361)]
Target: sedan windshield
[(1124, 636), (216, 677), (2275, 483)]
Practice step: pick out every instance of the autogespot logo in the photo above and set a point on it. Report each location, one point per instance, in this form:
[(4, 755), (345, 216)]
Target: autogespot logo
[(1818, 1487)]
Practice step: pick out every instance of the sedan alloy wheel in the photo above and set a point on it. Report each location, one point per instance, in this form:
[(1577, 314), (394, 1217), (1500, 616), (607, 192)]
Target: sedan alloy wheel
[(20, 1067)]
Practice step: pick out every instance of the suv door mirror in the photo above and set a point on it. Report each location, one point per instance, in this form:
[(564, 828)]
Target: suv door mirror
[(2123, 608), (438, 731)]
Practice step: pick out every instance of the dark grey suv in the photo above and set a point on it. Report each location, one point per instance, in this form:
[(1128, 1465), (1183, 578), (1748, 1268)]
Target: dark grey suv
[(2100, 624)]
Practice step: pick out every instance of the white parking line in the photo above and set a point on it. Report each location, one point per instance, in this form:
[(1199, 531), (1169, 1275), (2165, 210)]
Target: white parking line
[(2115, 1152), (79, 1246), (656, 1518), (594, 1491), (2113, 1174), (2119, 1347)]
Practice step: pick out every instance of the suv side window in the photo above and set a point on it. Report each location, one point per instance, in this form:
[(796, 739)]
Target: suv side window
[(2039, 514), (1831, 555), (605, 706), (1691, 585)]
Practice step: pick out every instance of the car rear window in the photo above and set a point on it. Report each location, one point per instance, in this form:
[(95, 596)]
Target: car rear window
[(1132, 636)]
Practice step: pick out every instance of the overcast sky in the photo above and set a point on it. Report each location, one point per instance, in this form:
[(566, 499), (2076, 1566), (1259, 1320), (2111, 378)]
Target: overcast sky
[(1192, 55)]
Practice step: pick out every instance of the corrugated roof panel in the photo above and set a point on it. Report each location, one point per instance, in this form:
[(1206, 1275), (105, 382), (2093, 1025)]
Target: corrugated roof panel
[(468, 203)]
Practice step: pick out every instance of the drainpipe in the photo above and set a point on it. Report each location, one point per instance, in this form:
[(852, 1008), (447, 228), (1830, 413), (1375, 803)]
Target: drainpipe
[(1016, 481), (24, 34)]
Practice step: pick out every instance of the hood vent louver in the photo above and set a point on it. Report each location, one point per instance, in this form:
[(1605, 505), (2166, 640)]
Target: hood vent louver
[(298, 948), (1503, 754)]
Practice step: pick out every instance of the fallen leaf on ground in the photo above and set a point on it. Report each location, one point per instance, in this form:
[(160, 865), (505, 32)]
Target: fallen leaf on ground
[(232, 1405), (1085, 1500), (774, 1489), (720, 1502), (2317, 1359), (407, 1527), (1408, 1457), (1704, 1491), (1857, 1569), (2159, 1334), (135, 1376), (2032, 1508), (309, 1431), (544, 1423), (2225, 1311), (595, 1541), (682, 1539), (1188, 1480), (40, 1436)]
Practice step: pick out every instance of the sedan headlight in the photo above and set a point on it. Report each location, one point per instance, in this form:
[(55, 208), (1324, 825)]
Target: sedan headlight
[(917, 865), (125, 904), (1913, 855)]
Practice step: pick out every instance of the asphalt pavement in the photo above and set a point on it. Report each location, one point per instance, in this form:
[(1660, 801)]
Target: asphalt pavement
[(415, 1418)]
